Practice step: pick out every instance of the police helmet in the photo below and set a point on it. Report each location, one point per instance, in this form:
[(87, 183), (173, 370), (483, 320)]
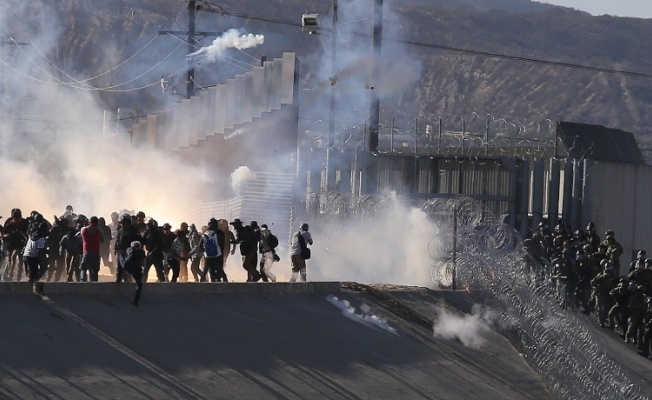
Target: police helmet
[(590, 227), (606, 264), (125, 219), (609, 232), (82, 219), (304, 226)]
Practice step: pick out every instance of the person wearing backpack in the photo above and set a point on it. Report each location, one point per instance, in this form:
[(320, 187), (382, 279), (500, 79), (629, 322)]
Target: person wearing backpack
[(212, 244), (267, 247), (248, 241), (299, 252)]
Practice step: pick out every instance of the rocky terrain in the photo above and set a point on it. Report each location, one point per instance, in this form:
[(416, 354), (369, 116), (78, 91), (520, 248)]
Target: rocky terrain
[(469, 57)]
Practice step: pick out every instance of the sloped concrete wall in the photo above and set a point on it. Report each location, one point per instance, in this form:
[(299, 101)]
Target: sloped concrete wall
[(107, 288)]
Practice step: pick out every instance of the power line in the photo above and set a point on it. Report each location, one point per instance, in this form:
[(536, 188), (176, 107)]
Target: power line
[(487, 54), (519, 58), (157, 82), (217, 9)]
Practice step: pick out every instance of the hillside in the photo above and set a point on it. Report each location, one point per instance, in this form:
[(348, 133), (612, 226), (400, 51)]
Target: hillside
[(85, 38)]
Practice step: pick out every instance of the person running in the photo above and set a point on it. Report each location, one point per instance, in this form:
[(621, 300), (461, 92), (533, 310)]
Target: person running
[(127, 234), (194, 238), (211, 244), (154, 242), (35, 250), (133, 263), (248, 241), (185, 250), (174, 256), (14, 238), (113, 226), (299, 252), (267, 247), (71, 246), (229, 239), (105, 246)]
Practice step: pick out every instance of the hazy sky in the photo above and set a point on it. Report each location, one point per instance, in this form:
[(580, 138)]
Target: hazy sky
[(621, 8)]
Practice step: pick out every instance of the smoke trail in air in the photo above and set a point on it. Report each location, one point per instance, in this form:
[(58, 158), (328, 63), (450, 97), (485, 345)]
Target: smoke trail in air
[(230, 39)]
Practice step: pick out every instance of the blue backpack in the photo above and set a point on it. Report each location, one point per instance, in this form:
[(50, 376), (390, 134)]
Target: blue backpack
[(210, 244)]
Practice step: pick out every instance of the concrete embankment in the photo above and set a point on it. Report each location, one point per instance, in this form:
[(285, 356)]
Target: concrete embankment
[(248, 341)]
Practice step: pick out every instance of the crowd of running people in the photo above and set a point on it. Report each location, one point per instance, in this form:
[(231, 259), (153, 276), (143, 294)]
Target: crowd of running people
[(72, 247), (588, 274)]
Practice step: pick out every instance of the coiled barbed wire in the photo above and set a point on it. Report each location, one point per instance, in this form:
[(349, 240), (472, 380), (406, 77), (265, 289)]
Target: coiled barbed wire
[(490, 261)]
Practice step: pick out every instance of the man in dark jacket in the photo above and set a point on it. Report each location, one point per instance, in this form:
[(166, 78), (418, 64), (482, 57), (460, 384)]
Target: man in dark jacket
[(127, 234), (14, 238), (154, 242), (134, 260), (56, 259), (248, 241)]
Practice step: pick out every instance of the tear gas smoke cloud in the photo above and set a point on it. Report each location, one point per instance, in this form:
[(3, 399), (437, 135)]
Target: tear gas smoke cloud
[(366, 317), (232, 38), (73, 163), (469, 329), (390, 247), (54, 153), (240, 177)]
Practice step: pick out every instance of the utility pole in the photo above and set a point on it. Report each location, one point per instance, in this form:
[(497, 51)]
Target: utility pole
[(191, 34), (374, 98), (190, 80), (331, 123), (330, 165)]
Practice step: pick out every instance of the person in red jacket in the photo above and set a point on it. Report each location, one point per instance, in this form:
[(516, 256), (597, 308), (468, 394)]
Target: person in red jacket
[(92, 238)]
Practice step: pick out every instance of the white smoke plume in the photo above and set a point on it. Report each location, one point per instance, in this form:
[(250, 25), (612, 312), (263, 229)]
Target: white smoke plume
[(240, 177), (365, 317), (468, 329), (230, 39), (390, 247)]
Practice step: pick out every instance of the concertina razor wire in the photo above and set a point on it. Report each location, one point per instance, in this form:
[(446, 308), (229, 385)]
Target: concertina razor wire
[(491, 264)]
